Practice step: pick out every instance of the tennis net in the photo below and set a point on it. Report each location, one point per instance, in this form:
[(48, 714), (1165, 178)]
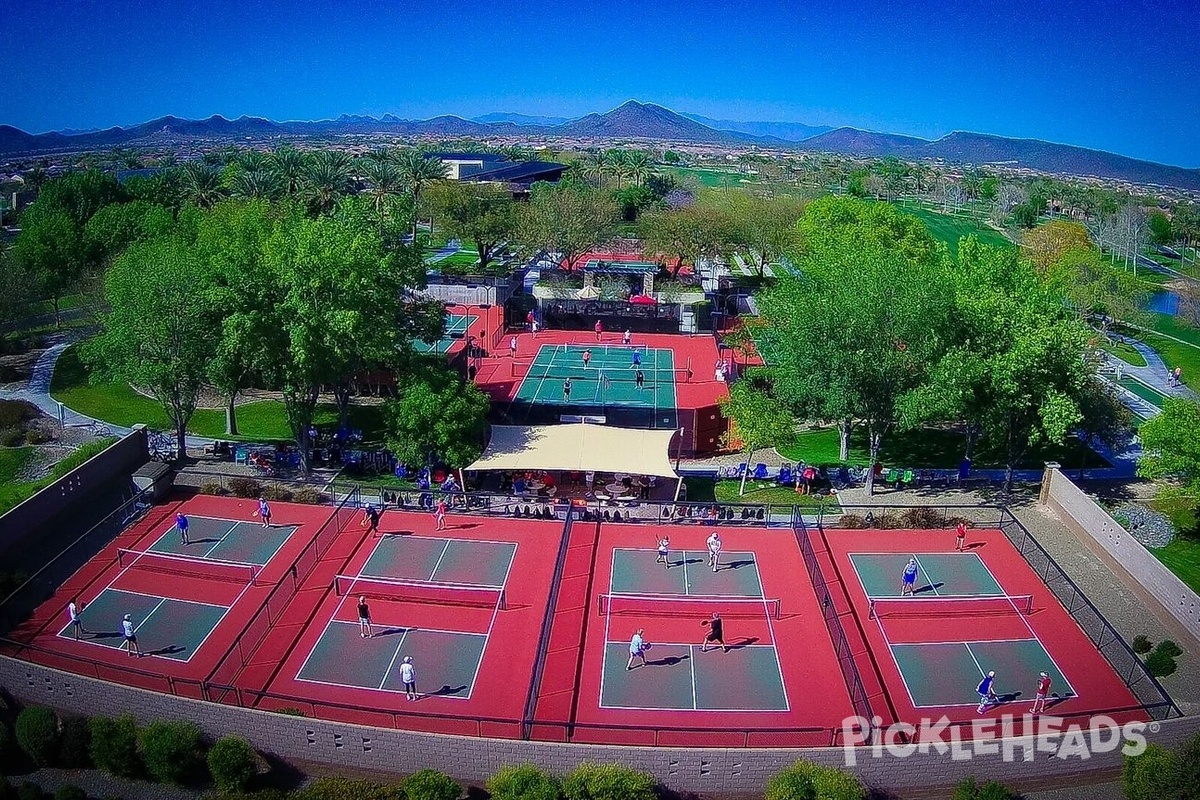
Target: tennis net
[(176, 564), (448, 594), (951, 606), (679, 606)]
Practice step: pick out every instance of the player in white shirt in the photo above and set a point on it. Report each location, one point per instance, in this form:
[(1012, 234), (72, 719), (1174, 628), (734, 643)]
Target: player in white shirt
[(130, 637), (637, 649), (73, 611), (408, 676), (714, 550)]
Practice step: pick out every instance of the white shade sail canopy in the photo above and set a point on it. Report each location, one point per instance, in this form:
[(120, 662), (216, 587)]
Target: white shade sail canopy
[(578, 447)]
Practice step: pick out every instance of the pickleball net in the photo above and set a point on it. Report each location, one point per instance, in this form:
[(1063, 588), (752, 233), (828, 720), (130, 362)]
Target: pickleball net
[(681, 606), (950, 606), (400, 590), (176, 564)]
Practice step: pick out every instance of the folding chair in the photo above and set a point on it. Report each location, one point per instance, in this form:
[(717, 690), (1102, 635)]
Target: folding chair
[(760, 472)]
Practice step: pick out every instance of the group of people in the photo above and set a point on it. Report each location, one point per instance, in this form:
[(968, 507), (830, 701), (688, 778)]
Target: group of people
[(988, 698), (1174, 377)]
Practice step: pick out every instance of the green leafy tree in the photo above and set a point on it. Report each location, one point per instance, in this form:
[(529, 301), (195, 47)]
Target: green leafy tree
[(289, 166), (686, 235), (485, 214), (759, 420), (232, 763), (437, 418), (51, 249), (1046, 244), (765, 227), (158, 333), (202, 184), (1161, 231), (1150, 775), (327, 178), (1096, 291), (429, 784), (1171, 445), (114, 227), (418, 171), (860, 330), (566, 220), (173, 752)]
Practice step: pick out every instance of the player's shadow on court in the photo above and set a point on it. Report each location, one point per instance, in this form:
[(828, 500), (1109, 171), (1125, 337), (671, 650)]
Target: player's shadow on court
[(447, 689), (1008, 697), (464, 526), (385, 534), (103, 635), (974, 545), (746, 641), (687, 561), (387, 632), (929, 587), (745, 562), (169, 650), (669, 661), (209, 540)]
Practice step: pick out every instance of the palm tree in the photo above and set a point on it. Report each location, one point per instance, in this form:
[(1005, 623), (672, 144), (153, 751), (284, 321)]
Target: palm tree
[(251, 184), (326, 180), (202, 184), (638, 164), (417, 170), (592, 166), (618, 165), (384, 182), (252, 160), (288, 164)]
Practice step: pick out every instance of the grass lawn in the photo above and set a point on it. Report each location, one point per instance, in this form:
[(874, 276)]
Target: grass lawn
[(1177, 354), (1127, 353), (462, 258), (703, 490), (930, 448), (12, 460), (263, 421), (1182, 556), (950, 229), (710, 178)]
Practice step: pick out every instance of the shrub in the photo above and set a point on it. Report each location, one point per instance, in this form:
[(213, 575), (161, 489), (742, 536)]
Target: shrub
[(522, 782), (969, 789), (7, 790), (276, 493), (608, 782), (1170, 648), (887, 522), (70, 792), (73, 748), (212, 487), (232, 763), (921, 518), (347, 789), (14, 413), (30, 791), (12, 437), (245, 487), (172, 751), (309, 496), (851, 522), (37, 436), (1160, 665), (114, 745), (289, 711), (8, 749), (1149, 776), (37, 733), (1141, 645), (805, 780), (429, 784)]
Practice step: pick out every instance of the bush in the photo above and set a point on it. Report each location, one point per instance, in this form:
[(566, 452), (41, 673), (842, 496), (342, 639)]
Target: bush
[(522, 782), (1160, 665), (212, 487), (37, 733), (1149, 776), (245, 487), (921, 518), (232, 763), (968, 789), (114, 745), (887, 522), (37, 436), (15, 413), (429, 784), (8, 749), (1170, 648), (73, 748), (309, 496), (30, 791), (7, 790), (805, 780), (852, 522), (70, 792), (1141, 645), (347, 789), (173, 752), (608, 782), (289, 711)]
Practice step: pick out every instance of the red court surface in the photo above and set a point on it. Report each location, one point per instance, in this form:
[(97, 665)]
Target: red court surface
[(725, 707), (197, 644), (990, 634), (474, 661)]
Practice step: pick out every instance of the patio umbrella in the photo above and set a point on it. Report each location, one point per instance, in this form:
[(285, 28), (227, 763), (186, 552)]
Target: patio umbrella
[(588, 293), (643, 300)]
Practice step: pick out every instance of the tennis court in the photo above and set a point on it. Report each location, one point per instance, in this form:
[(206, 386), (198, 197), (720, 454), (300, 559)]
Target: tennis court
[(456, 329), (225, 540), (973, 612)]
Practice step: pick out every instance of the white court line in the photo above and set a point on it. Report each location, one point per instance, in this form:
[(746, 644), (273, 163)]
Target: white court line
[(895, 662), (437, 563), (928, 578), (687, 584), (692, 664), (487, 637), (771, 632), (395, 655)]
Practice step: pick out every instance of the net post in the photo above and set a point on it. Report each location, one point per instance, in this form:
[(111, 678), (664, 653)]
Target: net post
[(502, 601), (871, 609)]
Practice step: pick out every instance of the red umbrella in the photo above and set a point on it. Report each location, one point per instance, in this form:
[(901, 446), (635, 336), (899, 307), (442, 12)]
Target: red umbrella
[(643, 300)]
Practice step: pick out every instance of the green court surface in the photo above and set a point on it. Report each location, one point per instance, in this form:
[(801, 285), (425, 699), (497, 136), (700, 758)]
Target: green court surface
[(165, 627), (679, 676), (636, 572), (609, 379), (1150, 395), (940, 574), (446, 662), (456, 327), (436, 560), (946, 673), (216, 539)]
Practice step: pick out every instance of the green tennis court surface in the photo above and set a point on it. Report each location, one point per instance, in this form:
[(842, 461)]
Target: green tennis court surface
[(456, 327), (946, 673), (165, 627), (679, 676), (1150, 395), (609, 379), (636, 572), (955, 574), (459, 561), (446, 662), (215, 539)]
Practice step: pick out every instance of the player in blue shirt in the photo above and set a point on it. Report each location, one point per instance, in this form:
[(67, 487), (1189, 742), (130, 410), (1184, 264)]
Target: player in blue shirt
[(987, 692), (637, 359), (181, 522), (910, 578)]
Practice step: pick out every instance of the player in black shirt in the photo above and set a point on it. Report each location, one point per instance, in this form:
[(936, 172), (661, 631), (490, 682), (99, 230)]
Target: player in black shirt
[(715, 635)]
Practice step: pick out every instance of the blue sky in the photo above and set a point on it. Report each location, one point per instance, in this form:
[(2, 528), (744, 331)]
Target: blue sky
[(1121, 76)]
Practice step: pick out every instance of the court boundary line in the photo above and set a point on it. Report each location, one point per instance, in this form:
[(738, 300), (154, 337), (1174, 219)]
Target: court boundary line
[(395, 654), (929, 581), (437, 563), (274, 553), (219, 542), (195, 650), (447, 540), (487, 636)]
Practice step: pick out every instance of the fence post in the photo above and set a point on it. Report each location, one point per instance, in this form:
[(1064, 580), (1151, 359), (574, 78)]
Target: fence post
[(1047, 476)]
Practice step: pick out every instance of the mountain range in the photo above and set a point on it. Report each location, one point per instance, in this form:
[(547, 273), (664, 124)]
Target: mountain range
[(633, 120)]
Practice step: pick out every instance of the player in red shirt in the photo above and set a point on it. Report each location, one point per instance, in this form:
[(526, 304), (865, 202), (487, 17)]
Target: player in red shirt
[(1043, 691)]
